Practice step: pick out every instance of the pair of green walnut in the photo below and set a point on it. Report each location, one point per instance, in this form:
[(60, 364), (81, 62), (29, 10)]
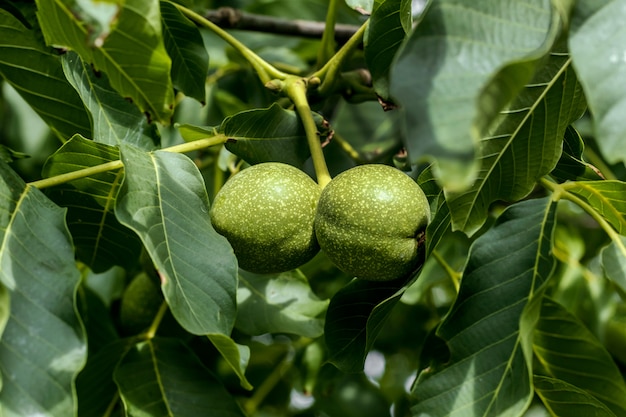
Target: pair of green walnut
[(369, 220)]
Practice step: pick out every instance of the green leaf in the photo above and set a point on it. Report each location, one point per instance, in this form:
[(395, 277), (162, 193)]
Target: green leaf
[(569, 352), (355, 316), (476, 55), (608, 198), (272, 134), (524, 144), (8, 155), (35, 72), (100, 240), (132, 55), (280, 303), (184, 44), (614, 263), (571, 166), (597, 49), (369, 130), (440, 220), (115, 120), (236, 356), (42, 346), (95, 386), (363, 6), (163, 377), (385, 33), (563, 399), (164, 200), (487, 373)]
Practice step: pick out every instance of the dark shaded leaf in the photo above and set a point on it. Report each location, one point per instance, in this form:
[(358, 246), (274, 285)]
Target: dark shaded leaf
[(35, 72), (385, 33), (440, 223), (571, 166), (95, 386), (354, 318), (487, 373), (273, 134), (184, 44), (100, 240), (164, 377)]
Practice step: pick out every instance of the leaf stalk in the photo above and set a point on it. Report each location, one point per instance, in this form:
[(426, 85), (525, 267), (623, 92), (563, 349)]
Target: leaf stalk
[(118, 164)]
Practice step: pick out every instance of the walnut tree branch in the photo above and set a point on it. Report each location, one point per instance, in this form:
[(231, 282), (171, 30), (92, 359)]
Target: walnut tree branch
[(229, 18)]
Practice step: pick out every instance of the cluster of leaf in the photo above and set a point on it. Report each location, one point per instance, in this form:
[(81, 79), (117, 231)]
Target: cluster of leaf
[(117, 297)]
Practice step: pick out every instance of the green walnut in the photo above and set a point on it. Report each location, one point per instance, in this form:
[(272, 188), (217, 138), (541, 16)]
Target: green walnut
[(370, 222), (266, 212)]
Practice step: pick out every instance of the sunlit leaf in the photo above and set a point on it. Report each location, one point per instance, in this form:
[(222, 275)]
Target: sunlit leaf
[(280, 303), (163, 377), (115, 120), (523, 145), (597, 49), (184, 44), (564, 399), (363, 6), (100, 240), (236, 356), (487, 372), (569, 352), (42, 346), (164, 200), (132, 55), (463, 63), (614, 263), (608, 198), (35, 72)]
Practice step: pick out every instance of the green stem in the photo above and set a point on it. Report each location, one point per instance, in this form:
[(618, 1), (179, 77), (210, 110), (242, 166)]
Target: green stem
[(156, 322), (78, 174), (327, 47), (117, 164), (265, 70), (295, 89), (455, 276), (329, 73), (560, 191), (253, 403)]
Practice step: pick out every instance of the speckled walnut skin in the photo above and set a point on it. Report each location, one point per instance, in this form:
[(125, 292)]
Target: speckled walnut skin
[(370, 222), (266, 212)]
